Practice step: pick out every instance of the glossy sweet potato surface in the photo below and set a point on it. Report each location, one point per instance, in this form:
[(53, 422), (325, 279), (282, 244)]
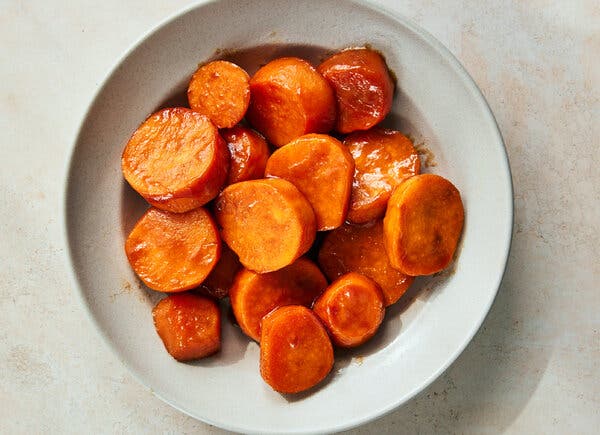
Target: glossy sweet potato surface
[(295, 351), (363, 88), (354, 248), (176, 160), (382, 222), (383, 158), (172, 252), (268, 223), (351, 308), (253, 295), (289, 98), (321, 167), (423, 224), (221, 91), (189, 325), (249, 153)]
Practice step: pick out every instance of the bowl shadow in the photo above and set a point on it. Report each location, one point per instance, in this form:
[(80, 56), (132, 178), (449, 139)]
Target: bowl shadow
[(485, 375), (133, 206)]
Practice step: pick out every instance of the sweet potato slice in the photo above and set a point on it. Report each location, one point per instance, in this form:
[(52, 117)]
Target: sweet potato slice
[(176, 160), (189, 325), (289, 99), (254, 295), (320, 167), (221, 91), (422, 224), (295, 351), (173, 252), (363, 88), (249, 154), (383, 158), (351, 308), (353, 248), (220, 280), (268, 223)]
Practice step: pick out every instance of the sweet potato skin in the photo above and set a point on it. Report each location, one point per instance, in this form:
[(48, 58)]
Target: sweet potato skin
[(221, 91), (189, 325), (423, 224), (321, 167), (295, 353), (289, 98), (173, 252), (351, 308), (383, 159), (254, 295), (176, 160), (249, 153), (268, 223), (360, 248), (363, 88)]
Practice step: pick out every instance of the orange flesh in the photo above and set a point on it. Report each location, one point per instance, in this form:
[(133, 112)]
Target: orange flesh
[(321, 168), (295, 351), (249, 154), (254, 295), (268, 223), (423, 224), (189, 325), (221, 91), (363, 88), (176, 160), (289, 99), (383, 158), (353, 248), (220, 280), (351, 308), (172, 252)]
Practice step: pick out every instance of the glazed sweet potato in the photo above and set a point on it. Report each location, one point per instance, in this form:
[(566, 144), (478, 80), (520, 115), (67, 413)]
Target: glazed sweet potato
[(422, 224), (189, 325), (172, 252), (353, 248), (220, 280), (363, 88), (289, 99), (249, 154), (320, 167), (381, 224), (383, 158), (254, 295), (176, 160), (351, 308), (295, 351), (268, 223), (221, 91)]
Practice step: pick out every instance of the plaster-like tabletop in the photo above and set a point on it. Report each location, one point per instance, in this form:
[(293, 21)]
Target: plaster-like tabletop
[(534, 367)]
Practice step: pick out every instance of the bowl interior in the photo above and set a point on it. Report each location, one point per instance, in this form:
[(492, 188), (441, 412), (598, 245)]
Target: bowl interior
[(436, 103)]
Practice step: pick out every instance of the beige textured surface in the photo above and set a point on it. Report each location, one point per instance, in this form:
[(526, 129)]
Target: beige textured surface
[(534, 366)]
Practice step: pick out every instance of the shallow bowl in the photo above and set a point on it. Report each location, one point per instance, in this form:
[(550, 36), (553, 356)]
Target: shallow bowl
[(436, 103)]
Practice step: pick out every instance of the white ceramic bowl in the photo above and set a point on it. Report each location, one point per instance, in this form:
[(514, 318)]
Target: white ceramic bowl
[(437, 103)]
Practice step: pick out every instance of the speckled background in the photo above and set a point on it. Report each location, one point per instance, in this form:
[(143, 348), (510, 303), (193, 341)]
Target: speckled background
[(532, 368)]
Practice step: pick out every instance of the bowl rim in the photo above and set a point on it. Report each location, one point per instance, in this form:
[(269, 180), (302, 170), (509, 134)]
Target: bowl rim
[(351, 422)]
